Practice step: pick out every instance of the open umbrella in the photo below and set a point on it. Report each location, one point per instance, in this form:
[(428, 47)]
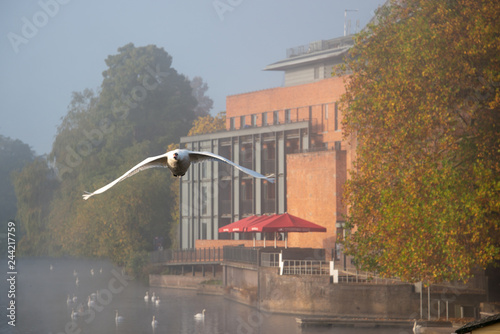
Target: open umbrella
[(237, 226), (242, 225), (284, 223)]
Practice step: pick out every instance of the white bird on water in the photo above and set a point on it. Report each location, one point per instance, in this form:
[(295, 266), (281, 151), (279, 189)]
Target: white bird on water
[(178, 161), (200, 316), (417, 329), (146, 297), (154, 323), (118, 318), (90, 303)]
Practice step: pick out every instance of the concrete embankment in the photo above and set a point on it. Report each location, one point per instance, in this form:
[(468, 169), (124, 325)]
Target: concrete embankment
[(202, 285), (313, 301)]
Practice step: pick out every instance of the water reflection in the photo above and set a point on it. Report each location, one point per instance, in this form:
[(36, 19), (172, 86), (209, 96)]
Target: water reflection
[(104, 301)]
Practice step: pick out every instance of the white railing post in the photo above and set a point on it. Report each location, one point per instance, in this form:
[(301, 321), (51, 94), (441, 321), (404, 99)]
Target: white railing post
[(281, 263)]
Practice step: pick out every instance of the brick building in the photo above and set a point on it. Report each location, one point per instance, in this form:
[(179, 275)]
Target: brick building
[(293, 132)]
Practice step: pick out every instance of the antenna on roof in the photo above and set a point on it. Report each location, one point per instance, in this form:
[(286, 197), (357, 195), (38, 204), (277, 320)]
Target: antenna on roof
[(345, 19)]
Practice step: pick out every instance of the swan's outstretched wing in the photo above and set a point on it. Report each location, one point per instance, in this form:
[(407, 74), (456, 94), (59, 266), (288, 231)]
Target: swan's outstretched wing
[(200, 156), (151, 162)]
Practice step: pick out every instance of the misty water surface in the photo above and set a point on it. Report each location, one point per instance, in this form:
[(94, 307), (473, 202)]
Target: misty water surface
[(41, 305)]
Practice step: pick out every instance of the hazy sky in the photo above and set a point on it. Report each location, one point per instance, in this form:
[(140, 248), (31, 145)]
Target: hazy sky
[(50, 48)]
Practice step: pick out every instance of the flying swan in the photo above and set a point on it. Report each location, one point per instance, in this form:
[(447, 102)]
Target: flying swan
[(178, 161)]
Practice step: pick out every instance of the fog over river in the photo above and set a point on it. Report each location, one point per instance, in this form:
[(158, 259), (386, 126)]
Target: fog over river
[(42, 305)]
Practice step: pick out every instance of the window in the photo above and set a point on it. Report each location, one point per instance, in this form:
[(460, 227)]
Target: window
[(316, 72), (336, 116), (242, 122), (269, 190), (268, 149), (203, 231), (231, 123), (204, 200), (254, 120), (247, 190), (288, 116), (246, 153), (203, 167), (275, 117), (264, 118)]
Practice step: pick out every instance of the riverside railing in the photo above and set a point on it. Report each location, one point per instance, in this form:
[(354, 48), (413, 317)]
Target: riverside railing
[(241, 254), (305, 267), (187, 255)]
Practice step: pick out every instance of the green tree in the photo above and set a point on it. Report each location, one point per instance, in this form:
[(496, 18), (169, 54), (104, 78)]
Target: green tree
[(422, 109), (34, 186), (14, 155), (142, 106), (205, 103)]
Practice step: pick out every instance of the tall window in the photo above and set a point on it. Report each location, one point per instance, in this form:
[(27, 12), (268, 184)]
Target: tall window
[(242, 122), (231, 123), (269, 190), (254, 120), (203, 167), (336, 116), (203, 231), (288, 116), (275, 117), (264, 118), (204, 200)]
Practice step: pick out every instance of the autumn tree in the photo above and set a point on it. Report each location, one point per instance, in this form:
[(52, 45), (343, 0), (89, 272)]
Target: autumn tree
[(422, 109), (208, 124)]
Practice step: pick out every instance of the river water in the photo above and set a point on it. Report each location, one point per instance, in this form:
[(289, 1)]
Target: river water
[(41, 305)]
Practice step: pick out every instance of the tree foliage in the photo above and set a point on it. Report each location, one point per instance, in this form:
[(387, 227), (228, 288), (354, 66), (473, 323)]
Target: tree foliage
[(205, 103), (142, 106), (208, 124), (14, 155), (34, 186), (422, 107)]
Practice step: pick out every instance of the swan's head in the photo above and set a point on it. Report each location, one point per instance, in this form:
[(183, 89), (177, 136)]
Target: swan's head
[(176, 156)]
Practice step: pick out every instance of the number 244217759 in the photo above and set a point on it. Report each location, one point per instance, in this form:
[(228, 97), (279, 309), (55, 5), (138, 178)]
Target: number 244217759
[(11, 245)]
